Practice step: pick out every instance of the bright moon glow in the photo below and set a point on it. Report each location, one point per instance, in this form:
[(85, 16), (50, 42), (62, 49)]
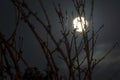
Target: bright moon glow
[(79, 24)]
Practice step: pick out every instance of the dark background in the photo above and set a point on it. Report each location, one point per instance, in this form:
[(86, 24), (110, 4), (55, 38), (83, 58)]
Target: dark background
[(106, 12)]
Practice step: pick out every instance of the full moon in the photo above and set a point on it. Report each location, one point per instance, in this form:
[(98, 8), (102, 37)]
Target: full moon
[(79, 24)]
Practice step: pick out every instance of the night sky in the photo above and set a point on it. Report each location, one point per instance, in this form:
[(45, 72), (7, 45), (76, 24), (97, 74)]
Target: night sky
[(106, 12)]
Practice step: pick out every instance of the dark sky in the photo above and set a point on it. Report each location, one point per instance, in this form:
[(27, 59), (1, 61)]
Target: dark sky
[(106, 12)]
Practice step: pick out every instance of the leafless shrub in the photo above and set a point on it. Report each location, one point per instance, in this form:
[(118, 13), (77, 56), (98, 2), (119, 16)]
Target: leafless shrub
[(74, 47)]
